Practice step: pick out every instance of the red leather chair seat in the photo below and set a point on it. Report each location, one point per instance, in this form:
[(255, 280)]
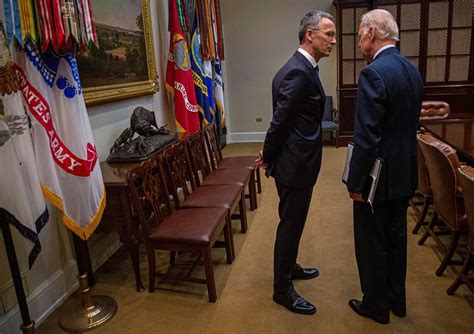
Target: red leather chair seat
[(190, 226), (237, 162), (224, 177), (222, 196)]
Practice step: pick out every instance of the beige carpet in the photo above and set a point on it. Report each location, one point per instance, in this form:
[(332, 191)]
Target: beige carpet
[(244, 288)]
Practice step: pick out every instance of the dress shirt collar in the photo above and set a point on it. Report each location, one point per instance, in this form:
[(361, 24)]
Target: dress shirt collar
[(383, 48), (308, 56)]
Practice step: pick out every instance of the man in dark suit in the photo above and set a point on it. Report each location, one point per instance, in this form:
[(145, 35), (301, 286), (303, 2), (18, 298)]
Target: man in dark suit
[(389, 95), (293, 148)]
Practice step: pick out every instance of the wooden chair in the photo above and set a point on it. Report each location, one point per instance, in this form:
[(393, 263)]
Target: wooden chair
[(328, 123), (442, 163), (190, 230), (424, 191), (218, 162), (243, 177), (466, 177), (180, 176), (430, 110), (434, 110)]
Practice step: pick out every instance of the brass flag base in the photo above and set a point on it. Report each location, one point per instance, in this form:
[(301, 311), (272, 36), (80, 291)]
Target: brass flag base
[(93, 312), (30, 329)]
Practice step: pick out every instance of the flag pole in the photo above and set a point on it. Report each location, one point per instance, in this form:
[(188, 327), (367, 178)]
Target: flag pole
[(83, 259), (28, 326), (93, 311)]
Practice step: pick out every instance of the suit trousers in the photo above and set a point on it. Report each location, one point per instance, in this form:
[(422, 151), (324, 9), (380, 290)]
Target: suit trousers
[(381, 253), (293, 210)]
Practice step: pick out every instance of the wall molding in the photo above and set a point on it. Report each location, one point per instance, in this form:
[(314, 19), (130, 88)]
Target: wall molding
[(52, 293), (246, 137), (44, 299)]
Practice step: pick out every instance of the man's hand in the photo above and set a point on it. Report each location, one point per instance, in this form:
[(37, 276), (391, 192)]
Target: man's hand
[(259, 161), (356, 197)]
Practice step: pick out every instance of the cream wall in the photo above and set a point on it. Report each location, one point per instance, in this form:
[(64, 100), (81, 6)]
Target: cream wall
[(53, 277), (259, 37)]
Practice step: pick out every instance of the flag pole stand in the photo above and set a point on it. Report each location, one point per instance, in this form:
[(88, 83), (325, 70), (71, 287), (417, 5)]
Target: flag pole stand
[(92, 311), (28, 326)]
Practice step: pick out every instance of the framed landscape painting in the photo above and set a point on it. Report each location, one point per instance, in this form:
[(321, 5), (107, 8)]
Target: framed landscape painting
[(124, 64)]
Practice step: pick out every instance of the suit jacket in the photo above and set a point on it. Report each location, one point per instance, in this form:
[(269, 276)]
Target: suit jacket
[(293, 144), (389, 96)]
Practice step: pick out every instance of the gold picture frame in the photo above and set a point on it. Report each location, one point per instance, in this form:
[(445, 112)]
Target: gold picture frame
[(116, 70)]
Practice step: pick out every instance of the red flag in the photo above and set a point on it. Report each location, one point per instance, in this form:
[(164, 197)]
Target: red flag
[(179, 78)]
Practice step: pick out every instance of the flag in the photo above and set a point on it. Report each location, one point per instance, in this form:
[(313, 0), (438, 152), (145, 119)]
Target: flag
[(22, 203), (65, 154), (200, 86), (219, 93), (179, 78), (12, 21), (210, 89)]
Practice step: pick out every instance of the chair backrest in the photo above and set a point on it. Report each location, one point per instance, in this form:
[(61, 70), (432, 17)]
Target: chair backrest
[(213, 147), (328, 114), (424, 185), (466, 178), (178, 171), (149, 192), (434, 110), (442, 163), (198, 156)]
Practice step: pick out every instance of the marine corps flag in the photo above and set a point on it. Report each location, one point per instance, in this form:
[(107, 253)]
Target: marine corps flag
[(66, 157), (179, 78)]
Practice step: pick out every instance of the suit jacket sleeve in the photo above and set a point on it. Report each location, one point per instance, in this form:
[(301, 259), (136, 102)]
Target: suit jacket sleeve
[(288, 95), (371, 96)]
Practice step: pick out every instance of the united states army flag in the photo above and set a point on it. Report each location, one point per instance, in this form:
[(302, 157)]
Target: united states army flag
[(66, 157)]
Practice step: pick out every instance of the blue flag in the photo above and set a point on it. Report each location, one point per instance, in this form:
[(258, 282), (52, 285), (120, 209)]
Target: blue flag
[(202, 93), (210, 89)]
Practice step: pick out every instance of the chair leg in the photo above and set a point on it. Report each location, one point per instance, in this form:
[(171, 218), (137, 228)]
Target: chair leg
[(259, 181), (252, 192), (229, 241), (243, 214), (421, 220), (430, 227), (151, 269), (449, 255), (172, 257), (468, 264), (211, 284)]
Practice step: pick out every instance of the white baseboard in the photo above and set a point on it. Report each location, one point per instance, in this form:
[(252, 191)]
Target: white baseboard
[(246, 137), (44, 299), (48, 296)]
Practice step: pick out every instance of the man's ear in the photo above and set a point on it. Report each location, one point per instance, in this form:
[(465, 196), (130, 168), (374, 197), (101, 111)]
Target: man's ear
[(372, 33)]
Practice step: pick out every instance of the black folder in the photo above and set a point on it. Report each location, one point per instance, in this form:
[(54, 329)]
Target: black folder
[(373, 175)]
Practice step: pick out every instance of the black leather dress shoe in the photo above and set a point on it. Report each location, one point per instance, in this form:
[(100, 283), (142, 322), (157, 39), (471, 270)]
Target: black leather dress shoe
[(294, 302), (401, 313), (304, 273), (356, 305)]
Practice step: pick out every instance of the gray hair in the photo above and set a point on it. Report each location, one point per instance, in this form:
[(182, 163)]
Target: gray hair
[(383, 21), (311, 21)]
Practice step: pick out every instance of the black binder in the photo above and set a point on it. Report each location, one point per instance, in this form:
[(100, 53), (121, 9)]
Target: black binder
[(373, 175)]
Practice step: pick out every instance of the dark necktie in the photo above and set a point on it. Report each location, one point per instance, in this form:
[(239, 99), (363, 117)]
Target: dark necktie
[(316, 70)]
